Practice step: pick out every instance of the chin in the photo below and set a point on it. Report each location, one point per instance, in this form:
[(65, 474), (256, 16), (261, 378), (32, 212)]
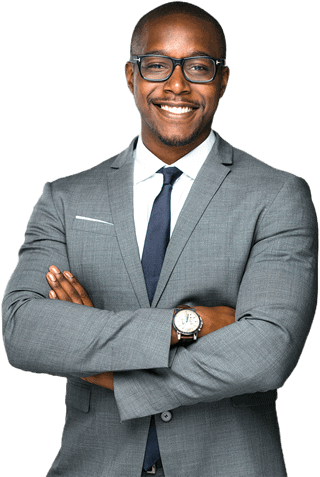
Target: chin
[(176, 140)]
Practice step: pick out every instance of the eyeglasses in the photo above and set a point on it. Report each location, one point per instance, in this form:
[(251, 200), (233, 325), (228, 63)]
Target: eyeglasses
[(196, 69)]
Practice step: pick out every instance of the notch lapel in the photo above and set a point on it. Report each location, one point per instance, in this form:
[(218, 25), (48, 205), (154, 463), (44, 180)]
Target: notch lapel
[(209, 179), (120, 190)]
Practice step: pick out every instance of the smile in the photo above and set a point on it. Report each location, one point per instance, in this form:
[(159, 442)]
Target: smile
[(176, 110)]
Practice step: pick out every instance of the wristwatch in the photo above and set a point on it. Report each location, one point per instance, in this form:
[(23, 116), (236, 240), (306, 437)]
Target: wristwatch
[(187, 323)]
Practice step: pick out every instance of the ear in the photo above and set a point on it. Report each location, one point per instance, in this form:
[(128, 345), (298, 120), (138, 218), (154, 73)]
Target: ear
[(129, 75), (224, 80)]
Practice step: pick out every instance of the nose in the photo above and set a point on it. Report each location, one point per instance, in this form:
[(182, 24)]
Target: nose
[(177, 82)]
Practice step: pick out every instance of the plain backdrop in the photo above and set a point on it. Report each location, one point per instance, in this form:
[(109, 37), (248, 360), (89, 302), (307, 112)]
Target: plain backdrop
[(65, 107)]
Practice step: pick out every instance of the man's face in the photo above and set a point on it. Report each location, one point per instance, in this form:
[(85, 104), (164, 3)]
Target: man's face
[(177, 36)]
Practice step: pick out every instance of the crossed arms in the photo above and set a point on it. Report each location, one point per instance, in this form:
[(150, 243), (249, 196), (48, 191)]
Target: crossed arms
[(275, 306), (66, 287)]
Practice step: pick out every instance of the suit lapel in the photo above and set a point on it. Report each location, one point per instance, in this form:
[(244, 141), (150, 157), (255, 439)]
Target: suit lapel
[(120, 190), (210, 177)]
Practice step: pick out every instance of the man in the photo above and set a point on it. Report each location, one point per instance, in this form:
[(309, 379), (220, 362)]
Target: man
[(243, 237)]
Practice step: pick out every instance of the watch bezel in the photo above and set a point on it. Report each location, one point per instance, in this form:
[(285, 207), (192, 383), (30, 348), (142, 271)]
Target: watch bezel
[(186, 333)]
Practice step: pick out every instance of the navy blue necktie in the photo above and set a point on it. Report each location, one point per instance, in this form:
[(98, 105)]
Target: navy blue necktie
[(158, 232), (155, 245)]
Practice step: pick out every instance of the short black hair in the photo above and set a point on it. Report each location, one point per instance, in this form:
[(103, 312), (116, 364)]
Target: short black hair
[(178, 7)]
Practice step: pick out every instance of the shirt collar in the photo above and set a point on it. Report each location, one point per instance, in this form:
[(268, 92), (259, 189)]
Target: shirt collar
[(146, 163)]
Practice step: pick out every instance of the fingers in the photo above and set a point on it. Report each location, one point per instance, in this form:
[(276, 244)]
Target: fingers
[(55, 280), (52, 295), (104, 380), (79, 289), (65, 287)]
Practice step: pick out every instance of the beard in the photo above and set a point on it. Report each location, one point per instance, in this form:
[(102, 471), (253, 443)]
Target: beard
[(176, 140)]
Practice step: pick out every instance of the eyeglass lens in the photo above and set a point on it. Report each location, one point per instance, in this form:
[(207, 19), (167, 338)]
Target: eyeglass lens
[(195, 69)]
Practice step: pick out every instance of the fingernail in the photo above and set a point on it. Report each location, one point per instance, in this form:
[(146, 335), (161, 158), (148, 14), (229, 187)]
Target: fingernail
[(68, 274), (52, 294), (52, 277), (54, 269)]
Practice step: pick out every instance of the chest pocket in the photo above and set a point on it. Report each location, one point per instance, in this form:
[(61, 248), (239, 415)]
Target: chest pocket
[(86, 224)]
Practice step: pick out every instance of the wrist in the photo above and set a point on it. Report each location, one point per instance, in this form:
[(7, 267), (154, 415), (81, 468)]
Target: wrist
[(201, 310), (174, 339), (186, 323)]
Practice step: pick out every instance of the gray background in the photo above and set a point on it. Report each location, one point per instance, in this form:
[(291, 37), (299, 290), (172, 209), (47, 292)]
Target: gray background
[(63, 111)]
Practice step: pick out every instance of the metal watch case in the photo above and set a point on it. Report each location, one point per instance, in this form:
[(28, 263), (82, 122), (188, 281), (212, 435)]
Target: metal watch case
[(187, 323)]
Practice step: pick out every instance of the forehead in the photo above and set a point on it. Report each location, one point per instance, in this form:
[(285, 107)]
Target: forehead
[(179, 35)]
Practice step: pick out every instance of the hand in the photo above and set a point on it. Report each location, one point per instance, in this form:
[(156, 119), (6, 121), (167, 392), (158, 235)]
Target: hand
[(66, 287), (213, 317), (105, 380)]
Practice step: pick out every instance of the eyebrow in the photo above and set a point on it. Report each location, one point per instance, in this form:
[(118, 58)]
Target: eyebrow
[(162, 52)]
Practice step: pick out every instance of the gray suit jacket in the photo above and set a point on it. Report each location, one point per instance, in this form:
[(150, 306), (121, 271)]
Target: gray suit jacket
[(246, 238)]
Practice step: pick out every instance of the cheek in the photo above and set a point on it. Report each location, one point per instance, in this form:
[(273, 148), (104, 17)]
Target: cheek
[(211, 107), (210, 97), (141, 92), (136, 87)]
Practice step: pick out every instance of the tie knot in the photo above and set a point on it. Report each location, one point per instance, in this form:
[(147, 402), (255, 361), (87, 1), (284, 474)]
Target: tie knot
[(170, 174)]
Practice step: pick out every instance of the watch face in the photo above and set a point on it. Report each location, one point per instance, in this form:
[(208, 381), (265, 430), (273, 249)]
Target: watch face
[(187, 321)]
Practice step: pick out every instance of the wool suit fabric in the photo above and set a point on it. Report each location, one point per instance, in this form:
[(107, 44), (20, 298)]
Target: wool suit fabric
[(246, 238)]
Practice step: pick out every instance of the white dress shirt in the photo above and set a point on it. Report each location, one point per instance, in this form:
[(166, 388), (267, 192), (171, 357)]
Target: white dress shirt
[(147, 184)]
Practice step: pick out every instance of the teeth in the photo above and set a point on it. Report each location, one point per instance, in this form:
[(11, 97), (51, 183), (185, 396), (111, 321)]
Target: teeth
[(176, 110)]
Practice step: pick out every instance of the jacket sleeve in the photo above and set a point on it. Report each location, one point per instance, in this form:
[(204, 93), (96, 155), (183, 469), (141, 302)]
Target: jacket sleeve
[(275, 307), (65, 339)]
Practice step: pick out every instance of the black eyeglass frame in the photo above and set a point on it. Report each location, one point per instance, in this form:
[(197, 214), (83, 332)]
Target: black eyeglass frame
[(177, 61)]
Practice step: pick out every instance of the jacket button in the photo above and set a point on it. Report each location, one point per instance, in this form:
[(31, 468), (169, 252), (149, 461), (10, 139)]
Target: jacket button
[(166, 416)]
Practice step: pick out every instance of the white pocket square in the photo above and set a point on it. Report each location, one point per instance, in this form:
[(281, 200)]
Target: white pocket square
[(93, 220)]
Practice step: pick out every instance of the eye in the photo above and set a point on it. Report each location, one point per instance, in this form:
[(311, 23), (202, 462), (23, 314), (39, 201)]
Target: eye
[(155, 66), (198, 67)]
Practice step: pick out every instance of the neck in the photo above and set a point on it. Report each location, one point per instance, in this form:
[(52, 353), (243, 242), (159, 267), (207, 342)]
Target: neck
[(170, 154)]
